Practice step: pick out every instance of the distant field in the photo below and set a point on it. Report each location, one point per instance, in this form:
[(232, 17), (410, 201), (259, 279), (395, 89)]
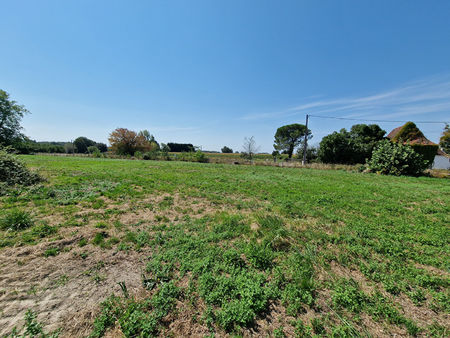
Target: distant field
[(190, 249)]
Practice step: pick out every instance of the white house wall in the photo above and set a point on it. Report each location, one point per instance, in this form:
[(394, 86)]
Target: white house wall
[(441, 162)]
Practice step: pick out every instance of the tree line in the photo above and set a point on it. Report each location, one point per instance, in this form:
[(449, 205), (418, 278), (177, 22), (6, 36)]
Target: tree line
[(357, 145)]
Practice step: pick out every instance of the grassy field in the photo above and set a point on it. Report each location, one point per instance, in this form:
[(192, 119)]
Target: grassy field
[(138, 248)]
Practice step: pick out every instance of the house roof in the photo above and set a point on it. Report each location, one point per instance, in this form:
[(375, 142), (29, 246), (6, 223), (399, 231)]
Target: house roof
[(419, 140), (394, 132)]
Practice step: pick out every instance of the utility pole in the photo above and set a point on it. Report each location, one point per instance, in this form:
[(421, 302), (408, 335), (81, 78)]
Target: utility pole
[(306, 141)]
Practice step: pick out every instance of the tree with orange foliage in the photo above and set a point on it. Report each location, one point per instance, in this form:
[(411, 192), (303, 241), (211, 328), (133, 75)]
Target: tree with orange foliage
[(126, 142), (123, 141)]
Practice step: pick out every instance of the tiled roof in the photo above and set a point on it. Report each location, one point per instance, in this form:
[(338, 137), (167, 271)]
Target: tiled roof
[(420, 140)]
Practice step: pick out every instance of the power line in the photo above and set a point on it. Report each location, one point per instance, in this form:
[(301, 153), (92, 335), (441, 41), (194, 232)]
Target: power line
[(364, 120)]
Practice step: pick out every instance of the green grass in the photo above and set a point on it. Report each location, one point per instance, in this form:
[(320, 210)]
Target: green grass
[(269, 236)]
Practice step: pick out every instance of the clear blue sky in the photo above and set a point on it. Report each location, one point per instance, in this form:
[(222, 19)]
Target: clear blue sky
[(212, 72)]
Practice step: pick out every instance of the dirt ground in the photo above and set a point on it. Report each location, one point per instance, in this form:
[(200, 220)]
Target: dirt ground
[(65, 290)]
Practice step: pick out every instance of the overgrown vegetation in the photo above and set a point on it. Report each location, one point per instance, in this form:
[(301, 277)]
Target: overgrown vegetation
[(350, 147), (244, 250), (14, 172), (396, 159)]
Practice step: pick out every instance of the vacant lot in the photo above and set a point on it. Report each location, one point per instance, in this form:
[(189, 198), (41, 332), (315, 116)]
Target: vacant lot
[(117, 247)]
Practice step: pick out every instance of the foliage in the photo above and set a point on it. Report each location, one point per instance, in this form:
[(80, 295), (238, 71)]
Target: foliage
[(234, 242), (289, 137), (136, 318), (350, 147), (69, 148), (145, 134), (408, 132), (102, 147), (336, 148), (312, 154), (180, 147), (347, 294), (444, 141), (390, 158), (127, 142), (226, 150), (26, 146), (427, 151), (150, 155), (249, 149), (93, 149), (14, 172), (82, 144), (197, 156), (16, 220), (11, 113), (32, 328), (365, 138)]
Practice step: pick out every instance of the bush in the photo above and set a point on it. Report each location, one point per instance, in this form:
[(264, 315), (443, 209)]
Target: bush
[(428, 151), (92, 149), (396, 159), (200, 157), (150, 155), (227, 150), (16, 220), (13, 171)]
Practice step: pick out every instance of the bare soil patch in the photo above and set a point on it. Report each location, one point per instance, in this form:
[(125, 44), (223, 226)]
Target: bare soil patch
[(64, 290)]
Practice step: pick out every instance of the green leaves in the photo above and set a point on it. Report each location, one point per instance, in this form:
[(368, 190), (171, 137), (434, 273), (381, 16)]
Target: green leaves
[(16, 220), (396, 159), (14, 172)]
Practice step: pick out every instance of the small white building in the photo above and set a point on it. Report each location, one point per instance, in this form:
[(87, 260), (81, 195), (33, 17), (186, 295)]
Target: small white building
[(441, 161)]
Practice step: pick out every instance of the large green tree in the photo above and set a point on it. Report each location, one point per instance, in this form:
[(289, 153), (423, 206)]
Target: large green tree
[(82, 144), (289, 137), (364, 139), (11, 115), (350, 147)]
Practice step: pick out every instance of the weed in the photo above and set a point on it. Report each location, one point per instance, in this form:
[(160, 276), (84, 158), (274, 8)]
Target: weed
[(51, 252), (82, 242), (347, 294), (16, 220), (33, 328)]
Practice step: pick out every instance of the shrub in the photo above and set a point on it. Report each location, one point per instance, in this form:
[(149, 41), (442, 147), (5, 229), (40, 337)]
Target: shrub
[(200, 157), (13, 171), (227, 150), (428, 151), (92, 149), (150, 155), (16, 220), (396, 159)]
